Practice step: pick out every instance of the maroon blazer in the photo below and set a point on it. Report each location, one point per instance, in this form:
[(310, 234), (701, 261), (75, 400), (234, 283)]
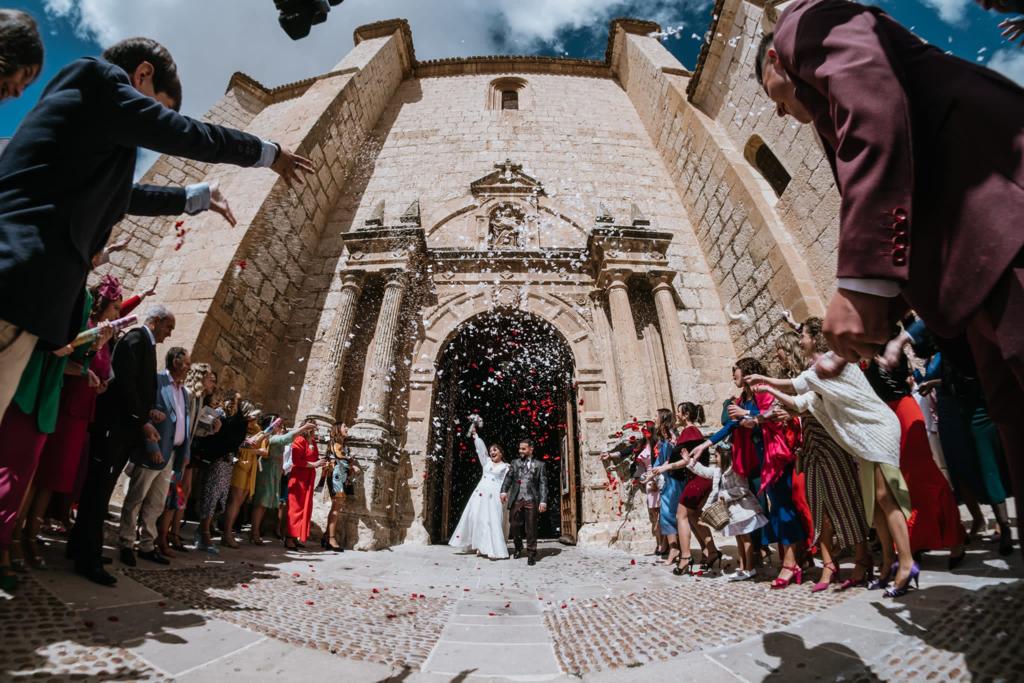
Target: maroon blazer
[(927, 150)]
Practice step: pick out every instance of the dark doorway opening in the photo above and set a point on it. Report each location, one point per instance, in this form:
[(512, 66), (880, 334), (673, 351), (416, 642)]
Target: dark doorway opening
[(515, 371)]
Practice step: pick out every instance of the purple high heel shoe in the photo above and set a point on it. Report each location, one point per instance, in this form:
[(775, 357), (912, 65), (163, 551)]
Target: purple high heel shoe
[(896, 591)]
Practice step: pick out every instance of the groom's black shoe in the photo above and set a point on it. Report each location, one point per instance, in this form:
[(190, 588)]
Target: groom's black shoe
[(518, 553), (531, 561)]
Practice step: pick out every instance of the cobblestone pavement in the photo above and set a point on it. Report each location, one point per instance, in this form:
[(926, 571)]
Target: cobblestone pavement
[(593, 634), (378, 625), (42, 639), (429, 614)]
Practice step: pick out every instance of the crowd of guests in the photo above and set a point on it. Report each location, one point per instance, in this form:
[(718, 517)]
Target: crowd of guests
[(202, 448), (818, 453), (815, 455)]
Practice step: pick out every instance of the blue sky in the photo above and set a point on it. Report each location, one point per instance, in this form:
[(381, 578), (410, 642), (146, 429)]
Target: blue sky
[(226, 38)]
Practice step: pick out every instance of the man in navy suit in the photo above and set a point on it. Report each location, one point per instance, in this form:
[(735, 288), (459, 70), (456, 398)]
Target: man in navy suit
[(151, 476), (66, 179)]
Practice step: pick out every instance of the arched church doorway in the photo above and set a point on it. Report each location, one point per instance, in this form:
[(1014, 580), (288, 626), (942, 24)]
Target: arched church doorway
[(515, 370)]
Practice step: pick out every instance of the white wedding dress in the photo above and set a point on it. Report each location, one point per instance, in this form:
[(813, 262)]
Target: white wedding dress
[(484, 523)]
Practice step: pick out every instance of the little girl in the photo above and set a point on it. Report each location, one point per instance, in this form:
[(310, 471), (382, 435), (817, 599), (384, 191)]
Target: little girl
[(745, 514)]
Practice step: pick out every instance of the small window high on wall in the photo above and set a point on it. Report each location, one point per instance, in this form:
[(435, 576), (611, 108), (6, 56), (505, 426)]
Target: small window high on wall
[(509, 99), (508, 93), (761, 157)]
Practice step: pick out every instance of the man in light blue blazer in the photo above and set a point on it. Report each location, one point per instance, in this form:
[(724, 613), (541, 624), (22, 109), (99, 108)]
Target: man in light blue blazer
[(155, 467)]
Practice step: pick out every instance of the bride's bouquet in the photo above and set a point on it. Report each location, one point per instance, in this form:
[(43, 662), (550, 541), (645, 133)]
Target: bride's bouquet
[(476, 421)]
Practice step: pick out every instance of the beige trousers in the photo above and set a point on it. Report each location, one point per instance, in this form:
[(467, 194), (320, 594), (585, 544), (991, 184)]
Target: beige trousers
[(147, 491), (15, 348)]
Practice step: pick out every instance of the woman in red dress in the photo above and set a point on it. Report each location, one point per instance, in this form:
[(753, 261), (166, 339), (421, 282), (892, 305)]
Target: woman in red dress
[(301, 485), (934, 522)]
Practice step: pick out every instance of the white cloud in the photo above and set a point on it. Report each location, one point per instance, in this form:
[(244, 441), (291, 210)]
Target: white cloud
[(1010, 63), (950, 11), (210, 39)]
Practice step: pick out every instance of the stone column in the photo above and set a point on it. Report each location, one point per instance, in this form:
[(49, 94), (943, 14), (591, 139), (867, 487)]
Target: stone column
[(627, 350), (321, 398), (380, 362), (677, 356)]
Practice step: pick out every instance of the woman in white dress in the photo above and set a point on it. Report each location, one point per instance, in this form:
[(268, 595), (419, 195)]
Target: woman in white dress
[(484, 523)]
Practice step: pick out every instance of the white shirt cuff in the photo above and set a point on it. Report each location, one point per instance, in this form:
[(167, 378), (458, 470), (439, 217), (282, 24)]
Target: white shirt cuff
[(269, 154), (868, 285), (197, 198)]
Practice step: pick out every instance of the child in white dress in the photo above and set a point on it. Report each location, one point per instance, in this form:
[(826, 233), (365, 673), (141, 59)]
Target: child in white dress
[(745, 514)]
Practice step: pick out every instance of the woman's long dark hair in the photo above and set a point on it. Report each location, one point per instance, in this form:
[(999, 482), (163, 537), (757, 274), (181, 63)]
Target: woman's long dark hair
[(665, 428), (749, 366), (694, 412)]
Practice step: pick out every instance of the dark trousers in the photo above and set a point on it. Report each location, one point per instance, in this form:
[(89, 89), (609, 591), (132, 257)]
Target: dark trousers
[(996, 336), (524, 521), (108, 456)]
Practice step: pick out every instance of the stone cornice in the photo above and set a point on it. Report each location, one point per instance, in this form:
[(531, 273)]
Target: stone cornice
[(462, 66), (628, 25), (281, 93), (456, 66), (381, 29), (716, 12)]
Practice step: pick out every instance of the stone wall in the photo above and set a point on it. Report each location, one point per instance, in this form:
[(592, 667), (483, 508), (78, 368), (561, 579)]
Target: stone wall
[(727, 92), (755, 264), (579, 136)]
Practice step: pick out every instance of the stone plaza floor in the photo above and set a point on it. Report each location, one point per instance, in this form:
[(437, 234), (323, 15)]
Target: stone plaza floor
[(418, 613)]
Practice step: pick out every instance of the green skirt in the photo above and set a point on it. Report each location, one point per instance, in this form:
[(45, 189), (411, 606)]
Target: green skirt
[(893, 479), (268, 483)]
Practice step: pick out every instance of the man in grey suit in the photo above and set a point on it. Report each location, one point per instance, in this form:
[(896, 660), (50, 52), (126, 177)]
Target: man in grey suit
[(151, 476), (525, 489)]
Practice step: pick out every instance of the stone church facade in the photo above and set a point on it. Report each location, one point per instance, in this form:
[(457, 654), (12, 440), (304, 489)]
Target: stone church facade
[(658, 220)]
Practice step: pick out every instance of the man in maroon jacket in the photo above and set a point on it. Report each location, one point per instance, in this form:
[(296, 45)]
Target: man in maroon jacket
[(928, 155)]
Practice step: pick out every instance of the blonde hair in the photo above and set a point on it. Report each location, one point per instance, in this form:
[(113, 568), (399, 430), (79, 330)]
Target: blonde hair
[(794, 362), (194, 381)]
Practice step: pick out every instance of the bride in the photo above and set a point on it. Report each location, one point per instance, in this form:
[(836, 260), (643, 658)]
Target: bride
[(484, 523)]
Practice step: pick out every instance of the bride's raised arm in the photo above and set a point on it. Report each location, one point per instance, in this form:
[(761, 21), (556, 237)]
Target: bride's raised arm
[(481, 448)]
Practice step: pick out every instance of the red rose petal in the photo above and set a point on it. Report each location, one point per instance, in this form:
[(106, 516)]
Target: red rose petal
[(309, 602), (632, 562), (113, 617)]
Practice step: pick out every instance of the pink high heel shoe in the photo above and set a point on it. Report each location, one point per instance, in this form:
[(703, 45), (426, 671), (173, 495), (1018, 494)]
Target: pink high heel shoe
[(869, 575), (823, 585)]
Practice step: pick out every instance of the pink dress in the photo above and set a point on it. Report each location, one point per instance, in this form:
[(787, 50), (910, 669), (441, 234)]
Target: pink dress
[(64, 452), (653, 493)]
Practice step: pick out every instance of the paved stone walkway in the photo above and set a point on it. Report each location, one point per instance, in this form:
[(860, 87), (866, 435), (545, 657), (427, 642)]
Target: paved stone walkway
[(428, 614)]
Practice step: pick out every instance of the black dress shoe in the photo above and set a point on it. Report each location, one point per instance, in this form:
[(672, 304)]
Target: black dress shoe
[(154, 556), (97, 575), (517, 554), (128, 557), (531, 561)]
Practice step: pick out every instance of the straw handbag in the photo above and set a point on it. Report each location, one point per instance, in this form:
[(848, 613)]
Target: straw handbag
[(716, 515)]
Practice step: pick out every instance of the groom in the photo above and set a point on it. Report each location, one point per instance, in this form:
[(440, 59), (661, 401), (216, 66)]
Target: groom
[(525, 489)]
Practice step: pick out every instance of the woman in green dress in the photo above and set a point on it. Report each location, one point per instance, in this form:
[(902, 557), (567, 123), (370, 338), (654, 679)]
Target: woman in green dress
[(268, 478)]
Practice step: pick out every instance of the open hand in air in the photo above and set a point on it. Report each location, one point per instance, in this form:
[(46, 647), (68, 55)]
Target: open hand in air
[(291, 167), (219, 204)]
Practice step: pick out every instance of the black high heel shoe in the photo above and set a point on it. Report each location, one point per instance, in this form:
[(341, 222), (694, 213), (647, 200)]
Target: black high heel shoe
[(1005, 542), (706, 565), (679, 571)]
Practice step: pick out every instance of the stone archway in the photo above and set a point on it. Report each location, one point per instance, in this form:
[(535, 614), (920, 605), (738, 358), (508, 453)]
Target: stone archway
[(515, 371), (595, 399)]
